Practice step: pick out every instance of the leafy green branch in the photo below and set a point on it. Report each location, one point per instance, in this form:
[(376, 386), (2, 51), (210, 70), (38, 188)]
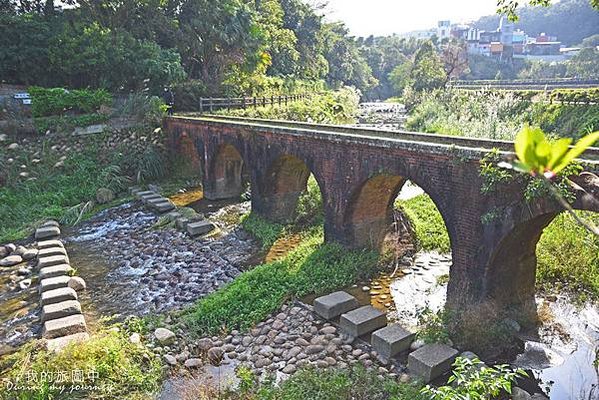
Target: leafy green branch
[(545, 160)]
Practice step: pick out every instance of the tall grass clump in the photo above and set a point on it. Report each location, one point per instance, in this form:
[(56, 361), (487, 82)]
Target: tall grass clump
[(110, 367)]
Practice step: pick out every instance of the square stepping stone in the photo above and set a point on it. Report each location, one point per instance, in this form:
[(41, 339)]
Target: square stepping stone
[(163, 206), (64, 326), (199, 228), (391, 340), (334, 304), (56, 270), (152, 198), (60, 310), (54, 283), (141, 194), (362, 321), (58, 295), (45, 244), (47, 232), (60, 343), (431, 361), (52, 251), (43, 262)]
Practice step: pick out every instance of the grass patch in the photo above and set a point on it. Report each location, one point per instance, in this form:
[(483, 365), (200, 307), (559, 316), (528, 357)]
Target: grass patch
[(431, 233), (111, 365), (313, 267), (355, 383), (569, 255)]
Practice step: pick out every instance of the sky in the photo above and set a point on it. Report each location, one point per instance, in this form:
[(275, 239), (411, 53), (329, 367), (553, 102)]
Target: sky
[(385, 17)]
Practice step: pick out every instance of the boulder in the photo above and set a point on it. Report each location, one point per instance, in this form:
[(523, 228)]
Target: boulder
[(11, 260), (104, 195), (164, 336), (29, 254), (77, 283)]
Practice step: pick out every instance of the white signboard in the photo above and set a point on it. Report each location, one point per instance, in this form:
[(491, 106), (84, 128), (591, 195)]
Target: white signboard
[(22, 96), (26, 101)]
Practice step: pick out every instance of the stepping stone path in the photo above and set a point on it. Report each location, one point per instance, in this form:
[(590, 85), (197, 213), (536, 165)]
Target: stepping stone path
[(153, 200), (61, 315), (388, 341), (161, 205)]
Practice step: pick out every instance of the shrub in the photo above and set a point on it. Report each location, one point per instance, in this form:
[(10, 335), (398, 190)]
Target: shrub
[(471, 379), (338, 107), (188, 94), (58, 101), (67, 122)]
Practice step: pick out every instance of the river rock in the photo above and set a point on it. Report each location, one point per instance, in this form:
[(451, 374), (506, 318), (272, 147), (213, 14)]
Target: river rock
[(193, 363), (164, 336), (77, 283), (215, 355), (104, 195), (170, 360), (11, 260), (135, 338), (25, 284), (29, 254), (3, 252)]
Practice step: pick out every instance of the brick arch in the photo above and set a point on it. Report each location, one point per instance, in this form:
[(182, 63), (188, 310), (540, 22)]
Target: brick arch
[(281, 186), (510, 274), (226, 174), (370, 210)]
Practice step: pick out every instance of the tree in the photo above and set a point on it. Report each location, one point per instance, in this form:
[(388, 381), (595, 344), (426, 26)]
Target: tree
[(509, 7), (347, 66), (427, 72), (400, 77), (455, 59), (585, 65)]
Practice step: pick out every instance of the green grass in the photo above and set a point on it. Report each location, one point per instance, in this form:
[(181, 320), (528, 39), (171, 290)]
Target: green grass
[(355, 383), (431, 233), (312, 267), (568, 255), (122, 370)]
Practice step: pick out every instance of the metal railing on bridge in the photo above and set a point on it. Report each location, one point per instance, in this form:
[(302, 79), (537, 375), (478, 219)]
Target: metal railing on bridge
[(211, 104)]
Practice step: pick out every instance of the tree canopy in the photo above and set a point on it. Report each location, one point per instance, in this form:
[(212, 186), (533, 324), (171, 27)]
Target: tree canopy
[(227, 46)]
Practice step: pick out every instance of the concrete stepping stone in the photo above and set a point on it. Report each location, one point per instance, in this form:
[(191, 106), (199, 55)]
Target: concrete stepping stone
[(152, 198), (134, 190), (64, 326), (54, 283), (60, 310), (362, 321), (55, 270), (431, 361), (47, 232), (199, 228), (58, 295), (334, 304), (141, 194), (50, 261), (52, 251), (391, 340), (60, 343), (45, 244), (163, 206)]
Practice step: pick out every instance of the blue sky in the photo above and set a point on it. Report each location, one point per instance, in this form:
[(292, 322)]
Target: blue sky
[(385, 17)]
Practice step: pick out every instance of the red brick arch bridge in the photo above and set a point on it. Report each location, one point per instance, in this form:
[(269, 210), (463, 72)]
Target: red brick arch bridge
[(360, 173)]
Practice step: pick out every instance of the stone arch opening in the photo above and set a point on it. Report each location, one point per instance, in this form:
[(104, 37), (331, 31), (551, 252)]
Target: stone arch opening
[(512, 272), (281, 187), (227, 174)]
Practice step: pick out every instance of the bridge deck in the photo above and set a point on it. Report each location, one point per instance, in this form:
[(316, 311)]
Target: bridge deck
[(468, 147)]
